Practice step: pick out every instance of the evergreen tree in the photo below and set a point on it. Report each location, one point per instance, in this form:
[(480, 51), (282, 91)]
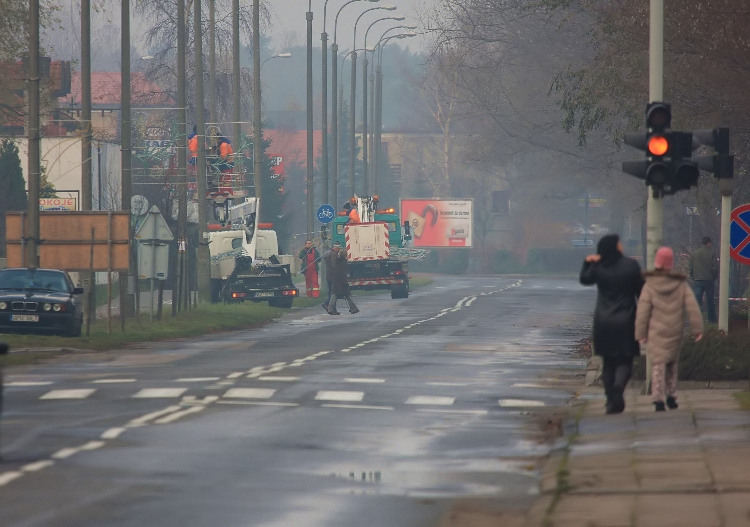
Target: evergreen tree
[(12, 185)]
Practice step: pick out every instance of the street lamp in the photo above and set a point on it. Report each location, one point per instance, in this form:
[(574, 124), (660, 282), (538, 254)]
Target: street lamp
[(378, 112), (352, 141), (334, 109), (365, 180), (279, 56)]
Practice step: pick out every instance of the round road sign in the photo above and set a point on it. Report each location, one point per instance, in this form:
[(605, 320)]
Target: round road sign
[(739, 234)]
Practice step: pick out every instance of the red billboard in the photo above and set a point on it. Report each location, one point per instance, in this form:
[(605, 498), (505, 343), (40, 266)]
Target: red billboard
[(438, 222)]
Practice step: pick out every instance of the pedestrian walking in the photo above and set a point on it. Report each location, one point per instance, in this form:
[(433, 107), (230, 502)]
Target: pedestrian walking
[(339, 280), (703, 270), (310, 266), (618, 281), (665, 299)]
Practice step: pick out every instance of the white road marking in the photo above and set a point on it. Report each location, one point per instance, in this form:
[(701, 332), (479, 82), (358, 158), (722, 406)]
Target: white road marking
[(112, 381), (437, 383), (144, 419), (258, 403), (68, 394), (278, 378), (23, 384), (431, 400), (339, 395), (443, 411), (177, 415), (37, 465), (7, 477), (197, 379), (112, 433), (364, 380), (159, 393), (64, 453), (250, 393), (526, 385), (519, 403), (357, 406)]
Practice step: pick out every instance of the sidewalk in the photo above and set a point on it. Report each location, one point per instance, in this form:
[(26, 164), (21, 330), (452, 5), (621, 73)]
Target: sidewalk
[(688, 467)]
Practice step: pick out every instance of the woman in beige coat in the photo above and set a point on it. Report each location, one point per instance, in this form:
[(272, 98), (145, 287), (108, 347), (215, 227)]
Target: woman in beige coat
[(665, 299)]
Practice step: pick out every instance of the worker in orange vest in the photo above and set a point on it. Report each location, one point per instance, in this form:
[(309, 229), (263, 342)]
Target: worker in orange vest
[(310, 258), (192, 143)]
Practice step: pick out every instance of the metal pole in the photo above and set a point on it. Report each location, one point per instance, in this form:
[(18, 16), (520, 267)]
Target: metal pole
[(180, 279), (126, 138), (324, 107), (310, 159), (237, 132), (34, 138), (654, 206), (352, 115), (257, 124), (377, 146), (365, 183), (86, 104), (726, 213), (212, 61), (203, 262), (334, 176)]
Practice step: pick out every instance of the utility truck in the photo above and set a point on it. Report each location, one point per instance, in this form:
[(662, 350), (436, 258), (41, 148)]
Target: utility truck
[(244, 259), (375, 247)]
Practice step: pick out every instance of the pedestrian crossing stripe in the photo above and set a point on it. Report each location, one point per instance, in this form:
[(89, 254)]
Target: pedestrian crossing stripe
[(338, 395), (249, 393), (68, 394), (150, 393), (431, 399)]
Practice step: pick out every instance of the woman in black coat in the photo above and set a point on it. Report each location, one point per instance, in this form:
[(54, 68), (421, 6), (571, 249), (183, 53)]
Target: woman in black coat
[(619, 281)]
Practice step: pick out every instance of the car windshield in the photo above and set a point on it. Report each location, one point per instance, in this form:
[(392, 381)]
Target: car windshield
[(28, 279)]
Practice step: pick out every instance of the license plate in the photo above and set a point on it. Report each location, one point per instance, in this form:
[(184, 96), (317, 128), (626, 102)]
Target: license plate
[(24, 318), (263, 293)]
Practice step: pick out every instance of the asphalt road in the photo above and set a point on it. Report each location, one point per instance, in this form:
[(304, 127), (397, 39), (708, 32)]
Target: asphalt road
[(383, 418)]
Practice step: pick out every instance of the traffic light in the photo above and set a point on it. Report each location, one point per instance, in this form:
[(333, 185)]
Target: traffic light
[(668, 167), (721, 164)]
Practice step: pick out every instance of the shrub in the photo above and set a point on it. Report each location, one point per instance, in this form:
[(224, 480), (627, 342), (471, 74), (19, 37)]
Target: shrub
[(716, 357)]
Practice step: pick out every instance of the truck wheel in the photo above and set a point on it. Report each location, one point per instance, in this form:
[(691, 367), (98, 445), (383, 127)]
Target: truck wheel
[(400, 291), (284, 303)]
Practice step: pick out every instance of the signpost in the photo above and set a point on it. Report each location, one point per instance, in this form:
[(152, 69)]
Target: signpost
[(153, 237)]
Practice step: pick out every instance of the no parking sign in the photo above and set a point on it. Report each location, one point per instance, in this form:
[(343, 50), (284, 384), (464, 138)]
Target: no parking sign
[(739, 234)]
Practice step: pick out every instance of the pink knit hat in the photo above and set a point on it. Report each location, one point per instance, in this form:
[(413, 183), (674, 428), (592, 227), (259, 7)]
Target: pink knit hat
[(664, 258)]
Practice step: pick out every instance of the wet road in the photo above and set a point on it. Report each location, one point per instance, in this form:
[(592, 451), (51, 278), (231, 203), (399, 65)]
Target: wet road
[(377, 419)]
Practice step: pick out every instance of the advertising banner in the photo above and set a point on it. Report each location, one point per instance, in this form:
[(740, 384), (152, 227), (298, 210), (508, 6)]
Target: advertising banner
[(57, 204), (438, 222)]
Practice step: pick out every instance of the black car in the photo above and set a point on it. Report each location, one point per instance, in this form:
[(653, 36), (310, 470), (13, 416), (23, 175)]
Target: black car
[(39, 301)]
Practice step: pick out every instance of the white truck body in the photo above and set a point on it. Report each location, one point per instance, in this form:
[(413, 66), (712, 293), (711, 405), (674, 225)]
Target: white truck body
[(367, 241)]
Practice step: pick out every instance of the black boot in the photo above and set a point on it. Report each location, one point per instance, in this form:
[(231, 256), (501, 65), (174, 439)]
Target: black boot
[(671, 402), (659, 406)]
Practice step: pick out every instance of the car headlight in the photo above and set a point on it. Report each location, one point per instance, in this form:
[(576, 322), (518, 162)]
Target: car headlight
[(3, 305), (54, 307), (47, 307)]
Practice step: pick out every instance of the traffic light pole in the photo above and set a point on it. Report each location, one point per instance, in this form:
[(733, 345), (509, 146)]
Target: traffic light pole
[(655, 205)]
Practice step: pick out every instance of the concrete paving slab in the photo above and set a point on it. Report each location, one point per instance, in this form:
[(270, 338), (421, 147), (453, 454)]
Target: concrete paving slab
[(677, 510)]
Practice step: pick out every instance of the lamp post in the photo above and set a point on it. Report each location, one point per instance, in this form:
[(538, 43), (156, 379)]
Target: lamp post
[(310, 186), (352, 117), (378, 113), (365, 180), (333, 188)]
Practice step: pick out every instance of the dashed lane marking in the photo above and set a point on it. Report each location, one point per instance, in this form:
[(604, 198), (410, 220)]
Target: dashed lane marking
[(356, 380), (278, 378), (357, 406), (24, 384), (197, 379), (113, 381)]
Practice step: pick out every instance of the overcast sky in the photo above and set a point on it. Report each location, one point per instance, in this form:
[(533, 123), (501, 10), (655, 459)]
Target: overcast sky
[(289, 24)]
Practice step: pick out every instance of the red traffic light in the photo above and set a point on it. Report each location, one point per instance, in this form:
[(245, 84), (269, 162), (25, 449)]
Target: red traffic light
[(658, 145)]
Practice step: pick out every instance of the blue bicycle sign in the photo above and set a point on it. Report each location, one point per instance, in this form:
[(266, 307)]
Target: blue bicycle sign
[(326, 213)]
